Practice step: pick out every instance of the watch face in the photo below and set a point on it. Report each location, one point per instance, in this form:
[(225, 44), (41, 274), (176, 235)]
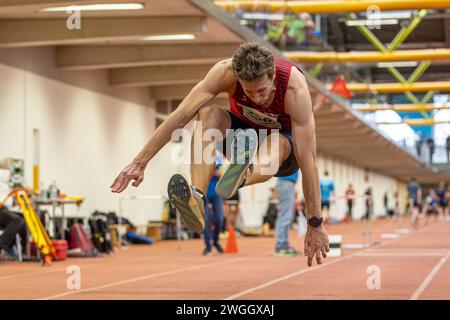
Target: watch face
[(315, 221)]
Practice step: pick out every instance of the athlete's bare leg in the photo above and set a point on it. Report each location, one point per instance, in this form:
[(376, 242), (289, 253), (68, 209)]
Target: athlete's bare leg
[(211, 117), (268, 154)]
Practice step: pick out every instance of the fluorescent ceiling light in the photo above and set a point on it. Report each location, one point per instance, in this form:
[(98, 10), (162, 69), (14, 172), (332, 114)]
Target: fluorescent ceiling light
[(262, 16), (169, 37), (371, 22), (400, 64), (96, 7)]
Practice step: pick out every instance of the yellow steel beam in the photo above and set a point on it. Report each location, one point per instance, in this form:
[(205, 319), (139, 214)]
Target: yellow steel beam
[(369, 56), (418, 122), (397, 87), (402, 108), (329, 6)]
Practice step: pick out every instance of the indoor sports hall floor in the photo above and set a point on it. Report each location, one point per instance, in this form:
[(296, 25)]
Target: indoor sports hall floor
[(414, 266)]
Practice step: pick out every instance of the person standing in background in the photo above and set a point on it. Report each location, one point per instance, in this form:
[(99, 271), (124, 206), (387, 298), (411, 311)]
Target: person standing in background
[(419, 144), (447, 144), (442, 200), (11, 222), (415, 200), (369, 204), (286, 193), (431, 207), (386, 204), (297, 207), (231, 209), (326, 192), (430, 143), (397, 204), (213, 213), (350, 197), (270, 218), (447, 209)]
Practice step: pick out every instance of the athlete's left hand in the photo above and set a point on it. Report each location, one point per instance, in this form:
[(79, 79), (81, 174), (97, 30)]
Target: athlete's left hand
[(316, 243)]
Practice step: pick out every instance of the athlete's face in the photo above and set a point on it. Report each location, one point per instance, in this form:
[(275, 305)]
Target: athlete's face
[(259, 90)]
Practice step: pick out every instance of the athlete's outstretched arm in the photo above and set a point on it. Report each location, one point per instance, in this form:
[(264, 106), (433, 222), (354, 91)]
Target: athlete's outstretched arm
[(214, 83), (299, 107)]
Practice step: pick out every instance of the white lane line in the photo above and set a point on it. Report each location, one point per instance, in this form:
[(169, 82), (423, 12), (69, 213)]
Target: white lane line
[(272, 282), (429, 277), (267, 284), (150, 276), (443, 251), (25, 274), (400, 254), (86, 266)]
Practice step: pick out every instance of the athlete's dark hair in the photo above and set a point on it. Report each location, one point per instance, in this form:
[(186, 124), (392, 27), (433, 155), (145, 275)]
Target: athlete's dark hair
[(252, 61)]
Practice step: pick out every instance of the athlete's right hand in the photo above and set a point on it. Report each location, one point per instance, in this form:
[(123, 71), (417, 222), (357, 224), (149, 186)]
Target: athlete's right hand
[(134, 171)]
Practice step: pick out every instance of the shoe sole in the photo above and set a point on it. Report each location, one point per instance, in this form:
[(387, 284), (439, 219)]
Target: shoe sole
[(181, 196), (232, 178)]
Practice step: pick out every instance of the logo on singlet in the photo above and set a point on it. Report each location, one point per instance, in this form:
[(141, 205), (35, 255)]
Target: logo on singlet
[(260, 118)]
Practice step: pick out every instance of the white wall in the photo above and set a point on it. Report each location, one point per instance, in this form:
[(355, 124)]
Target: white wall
[(88, 131)]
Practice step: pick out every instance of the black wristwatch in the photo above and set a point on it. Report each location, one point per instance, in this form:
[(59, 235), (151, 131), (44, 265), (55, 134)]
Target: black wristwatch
[(315, 221)]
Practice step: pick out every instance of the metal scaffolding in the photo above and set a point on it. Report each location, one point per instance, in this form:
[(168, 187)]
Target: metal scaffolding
[(402, 108), (398, 87), (333, 6), (368, 56)]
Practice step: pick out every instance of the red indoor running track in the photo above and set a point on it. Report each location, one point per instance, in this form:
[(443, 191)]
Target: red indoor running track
[(414, 266)]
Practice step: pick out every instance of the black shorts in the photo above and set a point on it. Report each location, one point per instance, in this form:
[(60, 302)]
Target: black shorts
[(287, 168), (325, 204), (415, 204), (234, 200)]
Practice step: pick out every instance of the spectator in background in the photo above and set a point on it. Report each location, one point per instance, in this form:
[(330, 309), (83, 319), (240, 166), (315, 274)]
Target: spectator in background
[(419, 144), (231, 209), (213, 213), (430, 143), (415, 200), (261, 27), (298, 210), (239, 13), (442, 203), (397, 204), (286, 193), (272, 210), (369, 204), (431, 207), (326, 192), (303, 207), (386, 203), (11, 222), (447, 210), (350, 197), (312, 37), (447, 144)]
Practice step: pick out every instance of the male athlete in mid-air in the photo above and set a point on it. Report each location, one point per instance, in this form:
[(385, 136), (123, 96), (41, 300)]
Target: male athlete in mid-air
[(265, 92)]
